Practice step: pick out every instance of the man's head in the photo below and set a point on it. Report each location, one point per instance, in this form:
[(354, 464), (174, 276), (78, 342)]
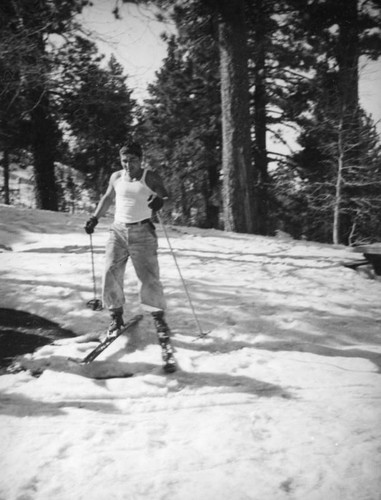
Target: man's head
[(131, 159), (132, 148)]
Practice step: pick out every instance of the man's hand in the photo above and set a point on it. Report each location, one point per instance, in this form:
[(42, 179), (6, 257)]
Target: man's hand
[(155, 202), (90, 224)]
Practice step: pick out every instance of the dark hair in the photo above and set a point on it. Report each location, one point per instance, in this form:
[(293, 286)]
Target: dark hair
[(133, 148)]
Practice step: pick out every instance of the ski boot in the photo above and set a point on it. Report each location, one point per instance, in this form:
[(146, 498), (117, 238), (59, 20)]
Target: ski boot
[(163, 333), (116, 323)]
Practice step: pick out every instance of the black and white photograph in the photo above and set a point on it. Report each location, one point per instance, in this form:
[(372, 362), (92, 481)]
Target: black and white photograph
[(190, 250)]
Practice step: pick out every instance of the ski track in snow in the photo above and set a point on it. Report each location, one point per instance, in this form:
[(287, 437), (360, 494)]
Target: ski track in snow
[(282, 399)]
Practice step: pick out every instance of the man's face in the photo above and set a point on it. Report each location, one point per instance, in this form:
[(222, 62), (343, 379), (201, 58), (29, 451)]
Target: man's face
[(130, 163)]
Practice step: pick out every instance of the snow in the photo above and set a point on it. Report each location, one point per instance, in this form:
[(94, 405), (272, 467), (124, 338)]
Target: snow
[(281, 400)]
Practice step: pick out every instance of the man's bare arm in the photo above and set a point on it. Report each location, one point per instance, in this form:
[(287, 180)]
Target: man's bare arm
[(155, 183), (107, 199)]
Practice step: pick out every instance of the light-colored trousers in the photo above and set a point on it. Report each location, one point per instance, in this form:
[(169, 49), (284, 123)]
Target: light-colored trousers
[(138, 242)]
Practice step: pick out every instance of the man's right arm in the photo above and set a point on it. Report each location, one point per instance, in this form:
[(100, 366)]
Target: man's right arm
[(104, 204)]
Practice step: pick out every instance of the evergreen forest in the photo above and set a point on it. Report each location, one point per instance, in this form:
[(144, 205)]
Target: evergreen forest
[(240, 78)]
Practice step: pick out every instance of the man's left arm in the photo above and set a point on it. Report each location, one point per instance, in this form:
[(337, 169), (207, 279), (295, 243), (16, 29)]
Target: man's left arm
[(155, 184)]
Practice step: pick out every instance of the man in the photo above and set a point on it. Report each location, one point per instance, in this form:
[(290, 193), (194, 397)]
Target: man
[(136, 192)]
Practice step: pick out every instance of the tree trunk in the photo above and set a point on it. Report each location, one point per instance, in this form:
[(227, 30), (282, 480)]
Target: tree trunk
[(339, 183), (347, 58), (43, 126), (240, 209), (7, 200), (348, 55), (260, 121), (43, 147)]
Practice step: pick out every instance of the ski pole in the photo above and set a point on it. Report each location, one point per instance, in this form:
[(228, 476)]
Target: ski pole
[(201, 333), (94, 304)]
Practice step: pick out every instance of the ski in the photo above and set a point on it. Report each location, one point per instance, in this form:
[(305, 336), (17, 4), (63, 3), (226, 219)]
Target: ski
[(110, 339)]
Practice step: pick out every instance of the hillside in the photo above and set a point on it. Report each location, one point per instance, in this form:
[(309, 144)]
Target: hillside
[(281, 400)]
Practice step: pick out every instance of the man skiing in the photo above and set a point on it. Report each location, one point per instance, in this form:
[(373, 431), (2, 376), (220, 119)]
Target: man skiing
[(136, 192)]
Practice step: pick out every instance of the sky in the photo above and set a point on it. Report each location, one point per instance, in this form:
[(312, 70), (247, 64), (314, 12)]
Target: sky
[(370, 89), (135, 41), (280, 401)]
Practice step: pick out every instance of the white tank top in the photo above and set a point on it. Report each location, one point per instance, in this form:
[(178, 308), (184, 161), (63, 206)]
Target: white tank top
[(131, 199)]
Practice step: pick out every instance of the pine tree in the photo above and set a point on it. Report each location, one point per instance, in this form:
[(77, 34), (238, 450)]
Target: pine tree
[(240, 207), (336, 34), (14, 130), (298, 59), (99, 111), (28, 25), (181, 128)]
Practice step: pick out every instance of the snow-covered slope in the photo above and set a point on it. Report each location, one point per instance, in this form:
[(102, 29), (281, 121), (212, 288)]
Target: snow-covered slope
[(281, 400)]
